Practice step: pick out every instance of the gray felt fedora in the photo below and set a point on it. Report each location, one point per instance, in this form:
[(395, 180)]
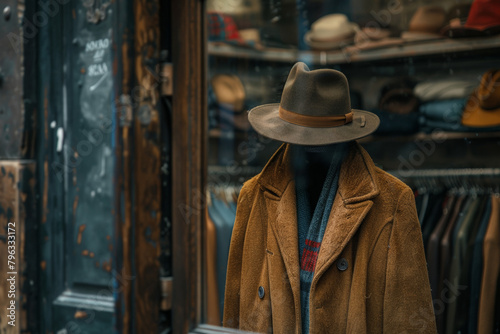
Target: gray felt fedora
[(315, 109)]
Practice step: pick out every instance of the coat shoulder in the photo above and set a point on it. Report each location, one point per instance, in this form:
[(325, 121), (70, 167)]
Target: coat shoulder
[(388, 183)]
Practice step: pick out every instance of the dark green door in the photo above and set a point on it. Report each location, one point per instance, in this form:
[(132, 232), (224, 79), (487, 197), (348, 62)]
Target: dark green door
[(99, 156), (78, 276)]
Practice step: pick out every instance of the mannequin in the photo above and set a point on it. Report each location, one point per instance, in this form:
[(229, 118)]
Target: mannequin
[(324, 241), (310, 165)]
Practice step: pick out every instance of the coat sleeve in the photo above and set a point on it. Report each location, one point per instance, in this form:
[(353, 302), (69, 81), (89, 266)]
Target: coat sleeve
[(231, 315), (407, 302)]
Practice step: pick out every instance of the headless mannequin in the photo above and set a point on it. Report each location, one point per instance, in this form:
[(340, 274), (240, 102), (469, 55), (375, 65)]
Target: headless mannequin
[(310, 165)]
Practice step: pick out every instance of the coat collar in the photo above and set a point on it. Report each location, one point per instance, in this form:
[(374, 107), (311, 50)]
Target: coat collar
[(357, 186), (357, 174)]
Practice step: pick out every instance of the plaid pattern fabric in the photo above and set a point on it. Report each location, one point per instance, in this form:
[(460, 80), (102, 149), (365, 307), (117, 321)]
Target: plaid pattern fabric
[(221, 28), (314, 227), (310, 256)]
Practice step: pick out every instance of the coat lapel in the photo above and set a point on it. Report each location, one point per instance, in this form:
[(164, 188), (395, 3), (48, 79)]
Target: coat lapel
[(352, 203), (285, 230)]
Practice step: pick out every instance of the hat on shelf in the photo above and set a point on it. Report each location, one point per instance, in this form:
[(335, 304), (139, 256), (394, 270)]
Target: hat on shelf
[(369, 38), (222, 28), (230, 98), (483, 20), (483, 107), (425, 24), (397, 97), (445, 88), (331, 32), (457, 15), (229, 90), (315, 109)]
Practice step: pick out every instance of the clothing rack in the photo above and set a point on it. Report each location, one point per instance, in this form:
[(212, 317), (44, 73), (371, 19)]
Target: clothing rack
[(460, 178)]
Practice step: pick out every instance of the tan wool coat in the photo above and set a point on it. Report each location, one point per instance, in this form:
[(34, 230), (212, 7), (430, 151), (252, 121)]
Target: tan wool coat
[(370, 276)]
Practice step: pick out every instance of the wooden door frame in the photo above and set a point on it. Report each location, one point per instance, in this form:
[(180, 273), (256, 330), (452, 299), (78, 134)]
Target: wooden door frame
[(189, 167), (189, 133)]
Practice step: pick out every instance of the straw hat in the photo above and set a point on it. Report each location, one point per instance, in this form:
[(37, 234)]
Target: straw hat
[(330, 32), (229, 90), (483, 107)]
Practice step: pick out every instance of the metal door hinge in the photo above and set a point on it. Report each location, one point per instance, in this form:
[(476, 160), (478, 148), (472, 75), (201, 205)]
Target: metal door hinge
[(125, 110), (167, 82), (166, 293)]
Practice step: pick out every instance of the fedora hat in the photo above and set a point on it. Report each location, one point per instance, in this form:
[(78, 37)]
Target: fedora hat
[(330, 32), (398, 97), (315, 109), (425, 24), (483, 107)]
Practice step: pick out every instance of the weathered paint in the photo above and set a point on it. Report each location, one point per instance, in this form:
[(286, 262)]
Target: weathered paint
[(17, 223), (81, 228), (45, 197), (12, 112), (147, 157)]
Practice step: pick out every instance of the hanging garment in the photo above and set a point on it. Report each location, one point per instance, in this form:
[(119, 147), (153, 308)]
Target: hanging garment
[(444, 265), (213, 309), (463, 300), (425, 205), (491, 271), (433, 217), (433, 248), (476, 272), (460, 233), (223, 219), (370, 275), (418, 201)]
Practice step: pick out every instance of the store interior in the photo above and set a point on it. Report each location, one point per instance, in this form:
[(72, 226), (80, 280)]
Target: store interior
[(429, 70)]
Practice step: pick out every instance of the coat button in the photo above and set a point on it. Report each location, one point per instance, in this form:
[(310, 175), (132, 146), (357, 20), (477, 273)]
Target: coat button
[(342, 264), (261, 292)]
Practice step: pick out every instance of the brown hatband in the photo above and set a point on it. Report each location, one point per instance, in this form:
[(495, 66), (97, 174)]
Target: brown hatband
[(314, 121)]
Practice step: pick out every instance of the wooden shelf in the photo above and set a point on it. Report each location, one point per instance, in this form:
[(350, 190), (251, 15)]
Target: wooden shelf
[(349, 55), (438, 136), (420, 136)]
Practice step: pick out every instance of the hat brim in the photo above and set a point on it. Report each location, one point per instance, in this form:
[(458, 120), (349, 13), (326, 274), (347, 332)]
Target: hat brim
[(416, 36), (475, 116), (266, 121), (335, 41)]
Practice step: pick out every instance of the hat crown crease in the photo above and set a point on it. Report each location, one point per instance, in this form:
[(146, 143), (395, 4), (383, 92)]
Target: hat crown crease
[(323, 92)]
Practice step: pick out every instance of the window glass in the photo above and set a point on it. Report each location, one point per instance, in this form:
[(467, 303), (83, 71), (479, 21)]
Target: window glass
[(429, 73)]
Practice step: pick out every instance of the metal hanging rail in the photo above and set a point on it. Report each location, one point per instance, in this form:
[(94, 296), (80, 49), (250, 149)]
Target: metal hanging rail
[(462, 178), (446, 173)]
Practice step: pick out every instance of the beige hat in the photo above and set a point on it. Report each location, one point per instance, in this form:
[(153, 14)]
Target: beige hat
[(331, 31), (229, 90), (315, 109), (426, 23)]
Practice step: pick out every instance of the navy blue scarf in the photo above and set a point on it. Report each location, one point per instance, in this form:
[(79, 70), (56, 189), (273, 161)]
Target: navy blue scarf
[(312, 223)]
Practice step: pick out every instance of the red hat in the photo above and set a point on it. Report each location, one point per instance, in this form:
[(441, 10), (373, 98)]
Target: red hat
[(483, 14), (483, 20)]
